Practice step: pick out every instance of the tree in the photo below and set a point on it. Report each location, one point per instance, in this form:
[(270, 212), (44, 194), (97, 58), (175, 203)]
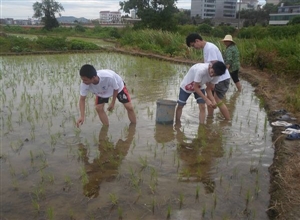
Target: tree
[(294, 20), (154, 14), (46, 11)]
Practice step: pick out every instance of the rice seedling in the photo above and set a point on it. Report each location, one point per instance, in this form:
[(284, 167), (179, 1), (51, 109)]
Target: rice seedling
[(36, 205), (114, 199), (203, 210), (120, 213), (181, 199), (153, 204), (248, 197), (143, 162), (169, 212), (50, 213)]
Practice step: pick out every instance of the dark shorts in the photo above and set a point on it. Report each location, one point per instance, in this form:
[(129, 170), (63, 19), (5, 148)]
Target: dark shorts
[(221, 88), (122, 96), (183, 96), (235, 76)]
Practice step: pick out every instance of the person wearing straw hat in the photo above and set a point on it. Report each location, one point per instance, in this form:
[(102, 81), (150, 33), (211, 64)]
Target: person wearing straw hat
[(232, 60), (211, 53)]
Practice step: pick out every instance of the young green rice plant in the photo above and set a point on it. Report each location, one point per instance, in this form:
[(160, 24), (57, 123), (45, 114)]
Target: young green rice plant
[(50, 213), (215, 200), (153, 204), (120, 213), (24, 173), (248, 197), (51, 178), (36, 205), (203, 210), (152, 186), (114, 199), (181, 199), (84, 176), (197, 192), (143, 162), (15, 184), (169, 212), (230, 152), (241, 185)]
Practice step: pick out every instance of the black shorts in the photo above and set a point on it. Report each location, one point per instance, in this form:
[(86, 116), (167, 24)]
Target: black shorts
[(122, 96), (235, 76)]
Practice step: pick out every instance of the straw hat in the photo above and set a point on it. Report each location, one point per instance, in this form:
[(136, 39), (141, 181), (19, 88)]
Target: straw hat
[(228, 38)]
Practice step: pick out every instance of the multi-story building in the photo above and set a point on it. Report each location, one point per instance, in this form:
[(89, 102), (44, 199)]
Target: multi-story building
[(110, 17), (247, 5), (275, 2), (284, 15), (213, 8)]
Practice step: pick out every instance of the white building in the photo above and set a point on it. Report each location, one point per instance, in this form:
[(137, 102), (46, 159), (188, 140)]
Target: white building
[(284, 15), (133, 13), (247, 5), (274, 2), (110, 17), (213, 8)]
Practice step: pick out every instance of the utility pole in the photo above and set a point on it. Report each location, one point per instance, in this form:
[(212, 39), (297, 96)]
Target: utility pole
[(239, 18)]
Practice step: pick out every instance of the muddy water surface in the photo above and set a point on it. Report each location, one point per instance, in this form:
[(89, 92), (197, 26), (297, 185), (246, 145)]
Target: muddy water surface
[(52, 170)]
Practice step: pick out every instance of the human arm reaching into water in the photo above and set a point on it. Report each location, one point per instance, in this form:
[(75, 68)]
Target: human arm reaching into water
[(82, 110), (210, 96), (112, 104)]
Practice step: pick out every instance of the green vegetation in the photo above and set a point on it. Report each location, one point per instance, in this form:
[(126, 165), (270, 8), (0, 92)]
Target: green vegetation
[(154, 14), (46, 11), (274, 49)]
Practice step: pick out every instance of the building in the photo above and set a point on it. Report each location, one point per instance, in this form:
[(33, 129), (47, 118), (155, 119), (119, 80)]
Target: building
[(133, 14), (284, 15), (213, 8), (247, 5), (274, 2), (110, 17)]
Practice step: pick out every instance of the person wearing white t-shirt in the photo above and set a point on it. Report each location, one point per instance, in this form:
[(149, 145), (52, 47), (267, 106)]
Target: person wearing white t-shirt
[(199, 76), (104, 84), (212, 53)]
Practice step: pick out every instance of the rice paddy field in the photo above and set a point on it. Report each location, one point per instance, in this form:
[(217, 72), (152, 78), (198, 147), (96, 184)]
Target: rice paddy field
[(50, 169)]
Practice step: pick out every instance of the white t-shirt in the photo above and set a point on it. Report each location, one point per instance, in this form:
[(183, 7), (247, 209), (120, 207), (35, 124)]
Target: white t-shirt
[(197, 73), (210, 53), (109, 81)]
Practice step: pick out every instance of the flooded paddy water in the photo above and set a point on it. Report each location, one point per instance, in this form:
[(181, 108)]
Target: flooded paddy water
[(52, 170)]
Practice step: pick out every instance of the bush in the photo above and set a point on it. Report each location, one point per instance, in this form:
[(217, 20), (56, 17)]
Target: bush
[(204, 29), (52, 43), (82, 45)]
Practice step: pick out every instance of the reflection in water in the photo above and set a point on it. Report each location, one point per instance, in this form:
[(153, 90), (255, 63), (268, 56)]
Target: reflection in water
[(198, 155), (105, 167), (163, 133)]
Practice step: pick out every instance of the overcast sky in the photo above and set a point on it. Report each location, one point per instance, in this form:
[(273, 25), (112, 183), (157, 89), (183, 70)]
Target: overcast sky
[(22, 9)]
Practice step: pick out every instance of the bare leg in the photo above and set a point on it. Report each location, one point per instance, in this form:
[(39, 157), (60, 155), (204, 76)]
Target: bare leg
[(210, 111), (130, 112), (178, 112), (223, 108), (202, 112), (101, 113), (239, 86)]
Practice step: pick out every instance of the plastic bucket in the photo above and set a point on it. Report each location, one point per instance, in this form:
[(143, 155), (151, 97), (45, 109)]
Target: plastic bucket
[(165, 111)]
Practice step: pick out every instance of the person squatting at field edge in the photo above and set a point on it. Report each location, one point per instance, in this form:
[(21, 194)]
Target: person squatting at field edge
[(104, 84), (232, 60), (197, 77), (212, 53)]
